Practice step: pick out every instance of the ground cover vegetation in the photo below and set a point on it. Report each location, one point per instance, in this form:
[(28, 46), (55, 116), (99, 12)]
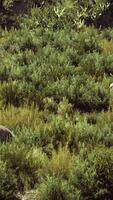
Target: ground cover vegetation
[(55, 72)]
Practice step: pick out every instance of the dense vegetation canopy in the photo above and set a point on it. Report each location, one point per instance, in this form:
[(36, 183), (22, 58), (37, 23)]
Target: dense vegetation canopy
[(56, 65)]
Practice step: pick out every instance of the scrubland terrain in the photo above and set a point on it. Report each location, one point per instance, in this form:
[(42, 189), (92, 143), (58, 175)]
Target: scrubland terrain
[(55, 72)]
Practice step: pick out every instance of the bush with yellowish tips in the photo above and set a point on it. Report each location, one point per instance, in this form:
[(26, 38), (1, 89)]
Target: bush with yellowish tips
[(61, 162), (22, 116), (107, 46)]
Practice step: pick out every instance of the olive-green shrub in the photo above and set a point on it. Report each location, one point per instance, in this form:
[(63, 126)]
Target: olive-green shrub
[(92, 176), (8, 185), (27, 165)]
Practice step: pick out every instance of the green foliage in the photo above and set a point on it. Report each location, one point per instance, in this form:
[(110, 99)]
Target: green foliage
[(101, 64), (53, 188), (61, 162), (92, 177), (25, 164), (45, 65), (54, 95), (63, 11), (8, 186), (87, 94), (11, 93)]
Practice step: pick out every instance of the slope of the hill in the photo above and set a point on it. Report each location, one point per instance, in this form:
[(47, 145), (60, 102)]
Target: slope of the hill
[(55, 74)]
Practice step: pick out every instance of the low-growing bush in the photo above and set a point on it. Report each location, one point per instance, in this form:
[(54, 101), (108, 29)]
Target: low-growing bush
[(107, 34), (8, 185), (87, 41), (64, 108), (12, 93), (92, 177), (98, 65), (17, 118), (55, 73), (87, 94), (87, 134), (39, 137), (61, 162), (27, 166), (53, 188)]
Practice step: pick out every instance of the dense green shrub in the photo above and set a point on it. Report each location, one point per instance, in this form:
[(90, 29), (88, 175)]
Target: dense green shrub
[(88, 41), (55, 132), (93, 177), (60, 129), (61, 163), (97, 65), (87, 134), (53, 188), (52, 69), (50, 64), (10, 10), (18, 93), (27, 165), (107, 34), (38, 138), (87, 94), (8, 186), (11, 93)]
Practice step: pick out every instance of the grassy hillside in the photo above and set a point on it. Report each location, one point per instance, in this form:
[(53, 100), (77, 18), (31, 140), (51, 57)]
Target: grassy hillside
[(55, 73)]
